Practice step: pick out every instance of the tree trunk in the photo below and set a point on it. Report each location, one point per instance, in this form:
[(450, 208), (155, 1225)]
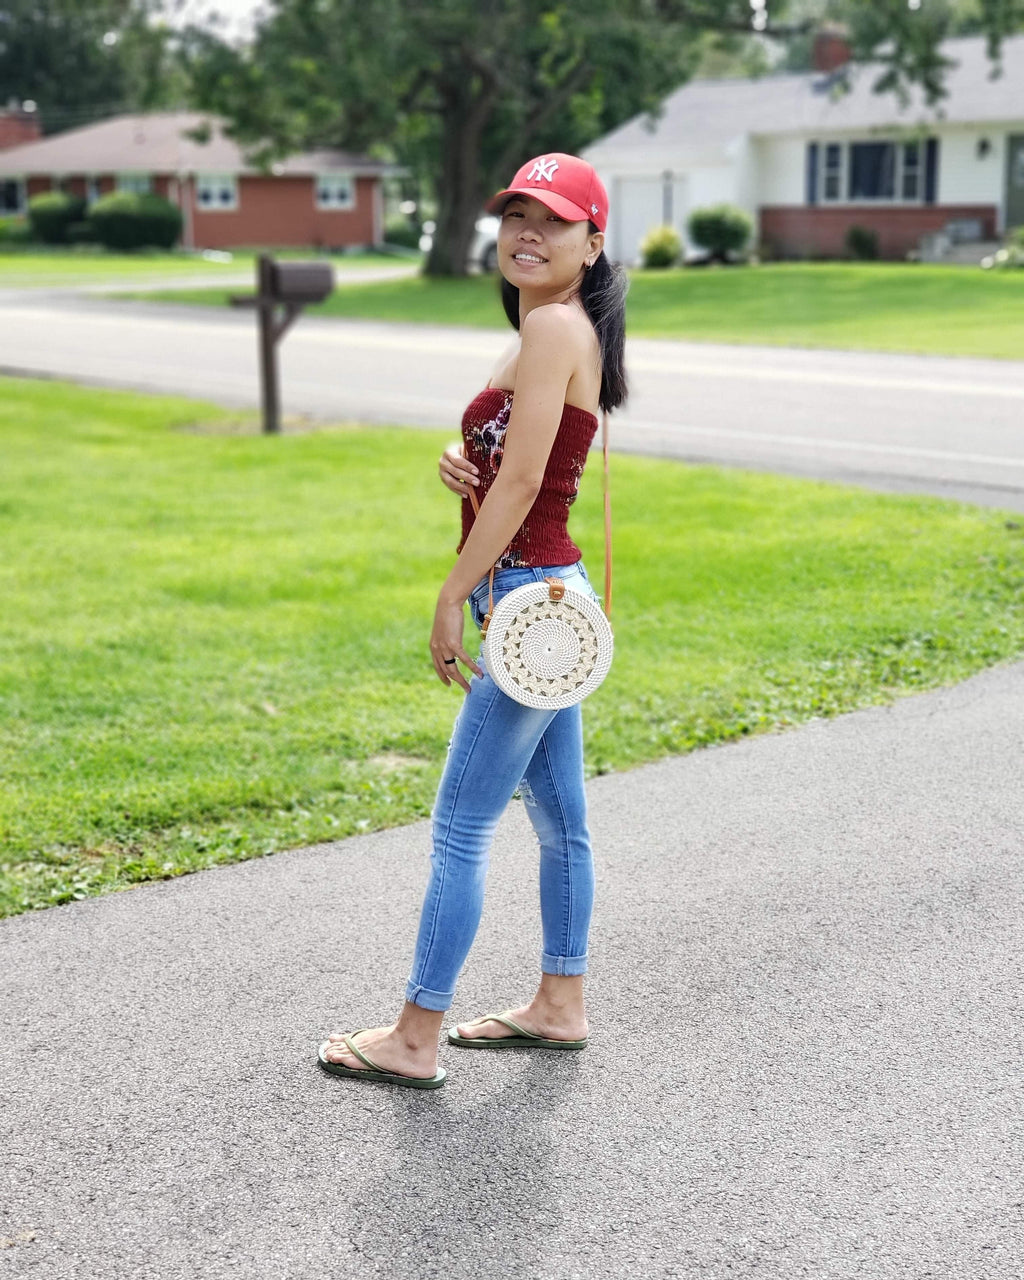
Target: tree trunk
[(462, 188), (458, 209)]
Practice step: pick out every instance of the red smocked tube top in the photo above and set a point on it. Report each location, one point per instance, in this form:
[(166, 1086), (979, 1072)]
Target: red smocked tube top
[(543, 537)]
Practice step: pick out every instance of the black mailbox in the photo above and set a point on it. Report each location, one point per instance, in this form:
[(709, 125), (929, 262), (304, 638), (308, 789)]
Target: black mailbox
[(302, 281), (282, 290)]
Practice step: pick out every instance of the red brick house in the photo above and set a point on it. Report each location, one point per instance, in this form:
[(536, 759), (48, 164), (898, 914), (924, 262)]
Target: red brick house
[(807, 162), (329, 199)]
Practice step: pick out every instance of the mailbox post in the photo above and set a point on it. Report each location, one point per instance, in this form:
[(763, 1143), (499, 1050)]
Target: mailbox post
[(283, 289)]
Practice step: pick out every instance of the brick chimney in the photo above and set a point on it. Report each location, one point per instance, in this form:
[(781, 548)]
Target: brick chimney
[(18, 126), (831, 49)]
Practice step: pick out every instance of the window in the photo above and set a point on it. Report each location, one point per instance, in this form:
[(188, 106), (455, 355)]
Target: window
[(892, 172), (833, 171), (216, 191), (12, 196), (92, 189), (139, 184), (910, 188), (872, 170), (335, 191)]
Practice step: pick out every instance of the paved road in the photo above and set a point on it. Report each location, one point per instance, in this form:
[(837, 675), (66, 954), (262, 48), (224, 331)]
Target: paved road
[(946, 426), (807, 1056)]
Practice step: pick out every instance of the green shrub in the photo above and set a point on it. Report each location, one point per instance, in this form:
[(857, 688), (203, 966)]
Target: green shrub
[(722, 229), (661, 247), (1011, 255), (861, 243), (81, 232), (15, 230), (402, 231), (51, 213), (163, 221), (125, 220), (1015, 238)]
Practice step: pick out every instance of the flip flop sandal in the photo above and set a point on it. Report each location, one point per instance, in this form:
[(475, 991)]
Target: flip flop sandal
[(374, 1072), (520, 1038)]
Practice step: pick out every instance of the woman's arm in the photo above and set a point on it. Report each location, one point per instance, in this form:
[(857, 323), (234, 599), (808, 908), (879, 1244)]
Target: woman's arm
[(551, 348)]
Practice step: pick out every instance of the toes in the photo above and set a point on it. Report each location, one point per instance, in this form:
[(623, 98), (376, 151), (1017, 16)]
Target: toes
[(476, 1030)]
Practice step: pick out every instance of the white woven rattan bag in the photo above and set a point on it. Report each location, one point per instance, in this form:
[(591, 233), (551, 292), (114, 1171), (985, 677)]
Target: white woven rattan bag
[(547, 645)]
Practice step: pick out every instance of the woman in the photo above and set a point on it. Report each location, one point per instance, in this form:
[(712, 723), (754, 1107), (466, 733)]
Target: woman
[(525, 440)]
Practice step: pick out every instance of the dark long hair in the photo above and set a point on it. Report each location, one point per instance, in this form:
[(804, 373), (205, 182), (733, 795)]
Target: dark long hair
[(603, 294)]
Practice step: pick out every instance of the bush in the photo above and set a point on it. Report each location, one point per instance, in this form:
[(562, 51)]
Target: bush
[(861, 243), (722, 229), (81, 233), (125, 220), (661, 247), (1011, 254), (403, 232), (51, 213), (15, 230)]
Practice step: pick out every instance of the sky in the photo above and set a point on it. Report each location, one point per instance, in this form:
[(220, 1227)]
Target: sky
[(237, 15)]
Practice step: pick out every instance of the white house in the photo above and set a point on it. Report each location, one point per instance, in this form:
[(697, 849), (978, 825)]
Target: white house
[(807, 163)]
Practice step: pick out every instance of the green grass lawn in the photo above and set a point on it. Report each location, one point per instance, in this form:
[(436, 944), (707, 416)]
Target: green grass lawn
[(213, 643), (30, 266), (959, 311)]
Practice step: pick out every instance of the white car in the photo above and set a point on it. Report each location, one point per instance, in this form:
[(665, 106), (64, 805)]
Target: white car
[(483, 249), (483, 252)]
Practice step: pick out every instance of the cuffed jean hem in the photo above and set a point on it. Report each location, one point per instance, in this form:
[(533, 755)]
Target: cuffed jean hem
[(563, 966), (437, 1001)]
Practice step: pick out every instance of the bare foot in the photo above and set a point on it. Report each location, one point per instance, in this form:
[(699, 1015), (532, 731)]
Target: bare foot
[(541, 1020), (388, 1049)]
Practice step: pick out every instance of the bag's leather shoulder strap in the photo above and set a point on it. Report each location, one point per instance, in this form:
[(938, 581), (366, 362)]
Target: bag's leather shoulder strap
[(607, 531), (607, 519)]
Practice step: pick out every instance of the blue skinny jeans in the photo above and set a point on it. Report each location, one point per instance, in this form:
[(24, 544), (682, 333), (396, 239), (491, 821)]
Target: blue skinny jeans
[(497, 746)]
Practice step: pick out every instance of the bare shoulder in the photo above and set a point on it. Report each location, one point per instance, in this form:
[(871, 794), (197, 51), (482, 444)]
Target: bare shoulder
[(557, 321), (560, 335)]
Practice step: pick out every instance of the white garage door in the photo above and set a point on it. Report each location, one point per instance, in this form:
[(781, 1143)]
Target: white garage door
[(639, 206)]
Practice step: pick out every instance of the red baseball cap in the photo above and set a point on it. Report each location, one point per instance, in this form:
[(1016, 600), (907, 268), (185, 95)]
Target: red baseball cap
[(566, 184)]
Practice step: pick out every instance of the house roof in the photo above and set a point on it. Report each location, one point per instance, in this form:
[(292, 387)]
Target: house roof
[(705, 119), (157, 144)]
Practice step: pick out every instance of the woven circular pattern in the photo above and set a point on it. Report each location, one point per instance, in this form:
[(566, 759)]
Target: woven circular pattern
[(548, 653)]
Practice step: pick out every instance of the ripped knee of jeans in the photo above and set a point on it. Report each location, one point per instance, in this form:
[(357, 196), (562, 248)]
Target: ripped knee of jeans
[(525, 794)]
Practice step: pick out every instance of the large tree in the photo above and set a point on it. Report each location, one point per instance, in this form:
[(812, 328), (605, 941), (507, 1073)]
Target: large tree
[(464, 90), (81, 60)]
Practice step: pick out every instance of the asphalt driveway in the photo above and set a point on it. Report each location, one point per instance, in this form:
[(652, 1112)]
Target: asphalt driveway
[(806, 1061)]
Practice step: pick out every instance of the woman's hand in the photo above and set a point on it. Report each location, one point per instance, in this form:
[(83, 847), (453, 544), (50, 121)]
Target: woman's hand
[(456, 472), (446, 644)]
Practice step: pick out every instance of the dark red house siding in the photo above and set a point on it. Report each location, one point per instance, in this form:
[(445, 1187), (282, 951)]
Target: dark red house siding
[(814, 232), (271, 211), (282, 211)]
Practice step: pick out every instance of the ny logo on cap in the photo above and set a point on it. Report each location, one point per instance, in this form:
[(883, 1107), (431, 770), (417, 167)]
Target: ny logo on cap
[(542, 168)]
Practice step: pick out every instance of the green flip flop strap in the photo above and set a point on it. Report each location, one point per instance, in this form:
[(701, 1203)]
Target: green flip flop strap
[(506, 1021), (362, 1056)]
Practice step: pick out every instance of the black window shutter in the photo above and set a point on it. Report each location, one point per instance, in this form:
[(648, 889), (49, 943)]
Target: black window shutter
[(812, 173), (931, 170)]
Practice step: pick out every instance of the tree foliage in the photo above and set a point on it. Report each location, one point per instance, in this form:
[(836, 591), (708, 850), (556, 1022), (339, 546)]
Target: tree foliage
[(80, 60), (463, 91)]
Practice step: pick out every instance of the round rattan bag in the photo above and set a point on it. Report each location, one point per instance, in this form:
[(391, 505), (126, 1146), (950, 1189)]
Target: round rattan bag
[(547, 645)]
